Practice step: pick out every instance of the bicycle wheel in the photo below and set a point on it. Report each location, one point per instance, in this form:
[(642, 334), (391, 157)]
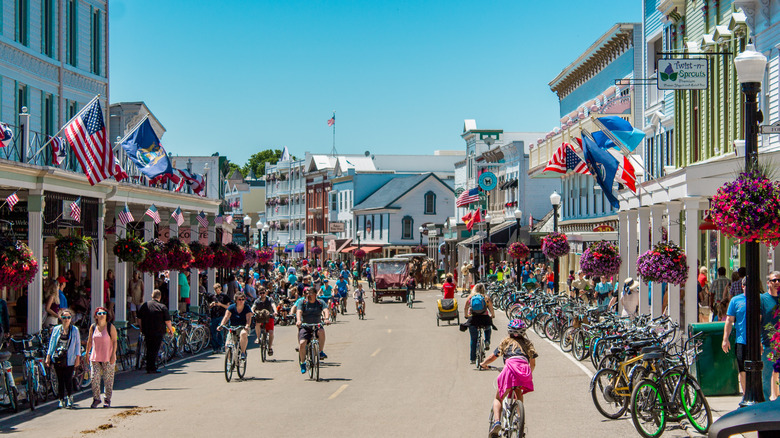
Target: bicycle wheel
[(13, 397), (53, 384), (603, 391), (551, 329), (263, 346), (140, 354), (206, 334), (517, 420), (310, 355), (29, 385), (597, 352), (539, 323), (567, 338), (316, 367), (41, 386), (228, 363), (695, 405), (513, 311), (480, 352), (647, 409), (241, 367), (579, 346)]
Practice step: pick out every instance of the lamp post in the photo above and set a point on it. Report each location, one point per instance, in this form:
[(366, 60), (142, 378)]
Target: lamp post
[(265, 234), (555, 200), (750, 66), (421, 229), (247, 226), (518, 218), (358, 234), (488, 218)]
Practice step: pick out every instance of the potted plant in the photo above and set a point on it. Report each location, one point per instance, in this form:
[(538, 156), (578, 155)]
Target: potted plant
[(555, 245), (518, 250), (250, 257), (179, 254), (202, 256), (665, 262), (237, 256), (17, 264), (488, 248), (156, 259), (601, 259), (71, 248), (316, 250), (359, 253), (265, 255), (222, 255), (420, 249), (748, 208), (130, 249)]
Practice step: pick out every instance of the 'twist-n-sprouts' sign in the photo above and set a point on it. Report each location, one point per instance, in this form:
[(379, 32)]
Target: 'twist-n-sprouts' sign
[(682, 74)]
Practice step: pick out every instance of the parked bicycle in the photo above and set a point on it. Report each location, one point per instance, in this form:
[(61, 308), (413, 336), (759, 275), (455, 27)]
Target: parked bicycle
[(34, 375), (9, 394)]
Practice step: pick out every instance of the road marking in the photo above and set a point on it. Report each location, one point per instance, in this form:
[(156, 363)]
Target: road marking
[(338, 391), (376, 352), (389, 331), (585, 369)]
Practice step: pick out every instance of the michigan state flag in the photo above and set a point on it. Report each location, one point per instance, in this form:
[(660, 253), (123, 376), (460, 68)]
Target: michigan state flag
[(144, 150)]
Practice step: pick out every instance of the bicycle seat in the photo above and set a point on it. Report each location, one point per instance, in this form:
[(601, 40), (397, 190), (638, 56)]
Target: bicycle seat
[(652, 349), (5, 355), (613, 337), (654, 355), (640, 344), (616, 350)]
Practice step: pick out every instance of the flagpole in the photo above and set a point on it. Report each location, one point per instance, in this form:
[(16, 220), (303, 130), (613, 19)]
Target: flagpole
[(63, 127), (586, 133), (617, 142), (333, 151), (118, 143)]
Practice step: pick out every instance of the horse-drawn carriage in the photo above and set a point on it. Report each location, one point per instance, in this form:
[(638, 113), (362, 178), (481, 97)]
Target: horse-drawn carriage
[(422, 268), (389, 278)]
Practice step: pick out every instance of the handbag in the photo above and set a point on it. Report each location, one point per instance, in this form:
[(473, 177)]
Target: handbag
[(60, 356)]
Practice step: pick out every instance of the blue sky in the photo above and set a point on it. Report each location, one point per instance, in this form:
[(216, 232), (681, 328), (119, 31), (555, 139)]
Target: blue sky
[(242, 76)]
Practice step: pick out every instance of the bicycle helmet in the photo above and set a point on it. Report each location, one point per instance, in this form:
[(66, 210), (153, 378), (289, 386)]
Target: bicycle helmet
[(516, 327)]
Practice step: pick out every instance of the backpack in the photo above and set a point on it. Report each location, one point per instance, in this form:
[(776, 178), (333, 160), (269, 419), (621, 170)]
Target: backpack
[(478, 304)]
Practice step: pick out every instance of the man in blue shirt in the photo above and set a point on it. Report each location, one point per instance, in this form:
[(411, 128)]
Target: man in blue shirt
[(735, 316), (326, 292), (769, 303), (342, 289)]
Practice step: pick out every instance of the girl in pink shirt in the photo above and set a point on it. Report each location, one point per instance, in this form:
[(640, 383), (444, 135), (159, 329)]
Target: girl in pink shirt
[(101, 351)]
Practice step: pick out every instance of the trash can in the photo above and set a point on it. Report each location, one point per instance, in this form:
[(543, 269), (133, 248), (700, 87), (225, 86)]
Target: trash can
[(715, 370)]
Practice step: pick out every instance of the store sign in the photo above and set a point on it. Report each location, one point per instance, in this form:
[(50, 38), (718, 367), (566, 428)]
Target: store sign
[(682, 74), (336, 227), (603, 229)]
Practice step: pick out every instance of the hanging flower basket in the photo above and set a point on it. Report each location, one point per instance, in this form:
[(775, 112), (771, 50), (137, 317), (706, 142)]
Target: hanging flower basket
[(316, 250), (250, 257), (601, 259), (179, 255), (359, 253), (420, 249), (665, 262), (748, 209), (518, 250), (222, 255), (488, 248), (265, 255), (130, 250), (555, 245), (156, 257), (236, 256), (72, 248), (202, 256), (17, 264), (774, 340)]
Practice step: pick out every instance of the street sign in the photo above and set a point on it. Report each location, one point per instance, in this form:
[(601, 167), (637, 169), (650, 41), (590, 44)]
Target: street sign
[(771, 129), (488, 181), (682, 74), (336, 227)]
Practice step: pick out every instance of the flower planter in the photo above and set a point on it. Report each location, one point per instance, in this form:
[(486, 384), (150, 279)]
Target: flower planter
[(601, 259), (222, 255), (518, 250), (202, 256), (72, 248), (156, 257), (237, 256), (665, 262), (130, 250), (555, 245), (179, 255), (748, 209), (17, 264)]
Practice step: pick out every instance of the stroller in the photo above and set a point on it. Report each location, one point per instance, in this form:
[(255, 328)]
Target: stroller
[(447, 311)]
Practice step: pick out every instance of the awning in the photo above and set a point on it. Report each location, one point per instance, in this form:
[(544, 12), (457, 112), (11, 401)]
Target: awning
[(342, 243), (512, 183), (289, 247), (501, 233), (348, 249), (476, 239), (368, 249), (300, 247)]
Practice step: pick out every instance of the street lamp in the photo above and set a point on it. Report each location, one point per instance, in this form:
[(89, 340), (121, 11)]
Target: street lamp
[(555, 200), (247, 226), (518, 218), (751, 66), (265, 233), (488, 218), (421, 229), (358, 234)]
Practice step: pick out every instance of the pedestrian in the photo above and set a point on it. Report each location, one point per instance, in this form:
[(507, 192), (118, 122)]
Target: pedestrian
[(550, 281), (52, 302), (721, 297), (231, 287), (154, 319), (704, 295), (218, 303), (109, 292), (63, 352), (136, 295), (603, 293), (770, 302), (736, 285), (101, 351), (479, 312), (735, 317), (629, 298), (184, 289), (448, 288)]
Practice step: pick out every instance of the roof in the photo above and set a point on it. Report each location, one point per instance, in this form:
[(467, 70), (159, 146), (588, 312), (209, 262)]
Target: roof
[(319, 162), (360, 164), (385, 196)]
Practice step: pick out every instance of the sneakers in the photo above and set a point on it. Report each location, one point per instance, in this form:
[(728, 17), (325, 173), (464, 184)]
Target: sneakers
[(62, 404), (70, 401), (243, 356), (257, 340), (487, 347), (303, 367), (270, 351), (323, 355), (107, 404), (472, 362), (95, 403), (495, 430)]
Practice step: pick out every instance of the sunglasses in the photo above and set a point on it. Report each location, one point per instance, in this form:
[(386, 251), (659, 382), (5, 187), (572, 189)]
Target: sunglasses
[(240, 299), (65, 317), (775, 280), (101, 314)]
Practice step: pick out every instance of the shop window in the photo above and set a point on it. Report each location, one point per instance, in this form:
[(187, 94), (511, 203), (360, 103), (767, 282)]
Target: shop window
[(407, 225)]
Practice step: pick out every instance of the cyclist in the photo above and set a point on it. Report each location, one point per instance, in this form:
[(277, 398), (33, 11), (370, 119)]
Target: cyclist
[(239, 313), (264, 302), (519, 361), (342, 289), (326, 291), (344, 272), (369, 276), (448, 288), (360, 298), (479, 312), (309, 311)]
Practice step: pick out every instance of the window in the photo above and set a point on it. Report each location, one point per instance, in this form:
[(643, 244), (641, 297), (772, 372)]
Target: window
[(21, 99), (72, 47), (430, 203), (381, 224), (22, 34), (47, 28), (47, 122), (334, 201), (406, 228), (95, 41)]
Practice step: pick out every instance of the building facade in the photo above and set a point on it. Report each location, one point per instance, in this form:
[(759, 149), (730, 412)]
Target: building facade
[(286, 206)]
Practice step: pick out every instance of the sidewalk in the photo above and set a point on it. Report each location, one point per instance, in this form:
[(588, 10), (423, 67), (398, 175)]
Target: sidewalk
[(720, 406)]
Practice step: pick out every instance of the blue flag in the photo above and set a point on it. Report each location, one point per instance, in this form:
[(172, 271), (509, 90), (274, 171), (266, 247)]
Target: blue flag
[(144, 149), (620, 129), (603, 166)]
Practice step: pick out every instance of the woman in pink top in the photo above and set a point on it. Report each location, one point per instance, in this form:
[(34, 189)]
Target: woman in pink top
[(101, 350)]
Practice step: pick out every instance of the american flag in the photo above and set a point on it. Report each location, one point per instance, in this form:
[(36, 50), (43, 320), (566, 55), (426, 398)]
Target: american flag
[(332, 120), (125, 216), (202, 220), (57, 150), (86, 134), (119, 173), (12, 200), (467, 197), (75, 210), (6, 135), (218, 220), (178, 216), (153, 213), (564, 159)]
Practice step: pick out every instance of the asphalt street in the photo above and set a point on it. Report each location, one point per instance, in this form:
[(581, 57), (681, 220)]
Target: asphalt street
[(394, 374)]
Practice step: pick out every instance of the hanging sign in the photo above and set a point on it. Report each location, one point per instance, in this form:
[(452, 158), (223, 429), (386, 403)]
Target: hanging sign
[(488, 181), (682, 74)]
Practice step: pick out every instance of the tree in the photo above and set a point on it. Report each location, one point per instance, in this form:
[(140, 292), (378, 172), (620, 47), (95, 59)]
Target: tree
[(229, 167), (257, 162)]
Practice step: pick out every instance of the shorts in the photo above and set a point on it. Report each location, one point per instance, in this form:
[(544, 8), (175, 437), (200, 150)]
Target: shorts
[(269, 325), (305, 333), (551, 284), (740, 352), (134, 307)]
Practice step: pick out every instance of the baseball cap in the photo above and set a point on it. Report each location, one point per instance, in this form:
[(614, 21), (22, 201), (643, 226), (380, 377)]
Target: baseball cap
[(61, 279)]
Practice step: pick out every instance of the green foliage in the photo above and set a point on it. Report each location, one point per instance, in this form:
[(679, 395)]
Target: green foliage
[(257, 161)]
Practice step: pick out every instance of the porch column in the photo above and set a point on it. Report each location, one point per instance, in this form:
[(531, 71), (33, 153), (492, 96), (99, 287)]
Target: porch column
[(148, 278), (623, 248), (644, 245), (194, 274), (98, 260), (212, 273), (120, 275), (173, 276), (692, 208), (35, 201), (673, 209), (632, 244), (656, 289)]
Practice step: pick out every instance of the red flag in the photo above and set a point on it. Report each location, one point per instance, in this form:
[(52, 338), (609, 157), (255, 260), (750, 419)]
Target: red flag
[(626, 174), (467, 217), (474, 219)]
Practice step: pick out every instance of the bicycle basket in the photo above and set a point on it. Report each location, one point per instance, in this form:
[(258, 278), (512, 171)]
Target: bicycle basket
[(262, 316)]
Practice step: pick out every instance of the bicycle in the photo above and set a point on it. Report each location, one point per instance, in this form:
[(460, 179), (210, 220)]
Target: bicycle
[(333, 306), (9, 397), (33, 371), (82, 374), (233, 359), (313, 352), (263, 337), (361, 309), (480, 347), (409, 298), (140, 357), (512, 415)]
